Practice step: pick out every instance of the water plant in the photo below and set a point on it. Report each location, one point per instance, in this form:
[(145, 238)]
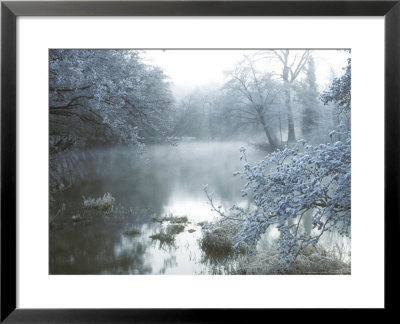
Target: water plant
[(202, 223), (132, 231), (175, 229), (77, 218), (219, 241), (172, 219), (163, 237), (104, 203), (177, 220)]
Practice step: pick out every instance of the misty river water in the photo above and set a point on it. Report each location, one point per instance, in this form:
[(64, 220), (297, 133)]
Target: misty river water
[(168, 181)]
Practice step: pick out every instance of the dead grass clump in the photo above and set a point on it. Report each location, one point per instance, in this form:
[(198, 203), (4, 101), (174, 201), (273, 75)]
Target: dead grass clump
[(168, 235), (104, 203), (132, 231), (201, 224), (163, 237), (177, 220), (219, 242), (77, 218), (216, 243), (175, 229), (172, 219), (309, 261), (81, 218)]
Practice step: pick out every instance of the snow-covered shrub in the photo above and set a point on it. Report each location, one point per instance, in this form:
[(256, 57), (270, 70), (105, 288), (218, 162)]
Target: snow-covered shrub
[(294, 187)]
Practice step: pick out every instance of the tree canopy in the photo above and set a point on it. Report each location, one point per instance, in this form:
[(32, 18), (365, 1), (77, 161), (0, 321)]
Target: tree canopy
[(339, 92), (103, 96)]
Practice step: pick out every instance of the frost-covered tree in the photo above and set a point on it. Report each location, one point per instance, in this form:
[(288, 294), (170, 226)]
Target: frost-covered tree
[(107, 96), (102, 97), (293, 65), (339, 92), (194, 115), (290, 184), (254, 98), (308, 95)]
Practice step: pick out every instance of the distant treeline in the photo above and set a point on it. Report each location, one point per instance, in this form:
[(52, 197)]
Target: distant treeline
[(111, 97)]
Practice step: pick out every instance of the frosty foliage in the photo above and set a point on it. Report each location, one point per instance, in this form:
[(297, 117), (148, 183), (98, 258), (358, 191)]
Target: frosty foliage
[(339, 91), (290, 185), (102, 96)]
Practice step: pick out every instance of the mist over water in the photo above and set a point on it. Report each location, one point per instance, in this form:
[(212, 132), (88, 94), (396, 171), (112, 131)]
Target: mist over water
[(168, 180), (124, 199)]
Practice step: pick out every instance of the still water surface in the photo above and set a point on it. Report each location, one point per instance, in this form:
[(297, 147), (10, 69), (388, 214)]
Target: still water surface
[(169, 181)]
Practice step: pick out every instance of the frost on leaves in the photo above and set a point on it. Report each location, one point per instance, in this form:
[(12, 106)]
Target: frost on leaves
[(291, 185)]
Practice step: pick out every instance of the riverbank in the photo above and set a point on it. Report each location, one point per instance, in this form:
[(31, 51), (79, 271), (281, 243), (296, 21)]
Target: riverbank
[(218, 246)]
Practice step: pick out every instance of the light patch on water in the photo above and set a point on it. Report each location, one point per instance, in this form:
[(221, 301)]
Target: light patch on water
[(170, 184), (180, 258), (195, 209)]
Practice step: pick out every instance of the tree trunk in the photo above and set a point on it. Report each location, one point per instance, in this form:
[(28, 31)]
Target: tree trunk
[(271, 140), (291, 133), (307, 220)]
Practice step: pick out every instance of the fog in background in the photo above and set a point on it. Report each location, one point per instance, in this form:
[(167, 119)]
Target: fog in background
[(135, 135), (210, 66)]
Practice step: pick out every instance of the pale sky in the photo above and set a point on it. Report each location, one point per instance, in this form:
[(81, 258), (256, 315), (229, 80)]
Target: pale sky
[(191, 69)]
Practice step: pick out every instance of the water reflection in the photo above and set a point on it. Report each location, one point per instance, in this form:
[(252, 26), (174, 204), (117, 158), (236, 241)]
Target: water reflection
[(169, 182)]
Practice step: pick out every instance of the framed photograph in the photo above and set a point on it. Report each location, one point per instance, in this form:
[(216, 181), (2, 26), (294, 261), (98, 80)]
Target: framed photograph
[(176, 160)]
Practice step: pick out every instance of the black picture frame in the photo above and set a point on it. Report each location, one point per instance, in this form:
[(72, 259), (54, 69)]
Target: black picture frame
[(11, 10)]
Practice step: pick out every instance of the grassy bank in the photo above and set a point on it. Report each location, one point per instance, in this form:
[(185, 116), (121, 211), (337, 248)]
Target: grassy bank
[(310, 261), (218, 245)]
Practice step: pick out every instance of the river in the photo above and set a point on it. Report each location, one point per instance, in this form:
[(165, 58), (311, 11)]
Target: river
[(167, 181)]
